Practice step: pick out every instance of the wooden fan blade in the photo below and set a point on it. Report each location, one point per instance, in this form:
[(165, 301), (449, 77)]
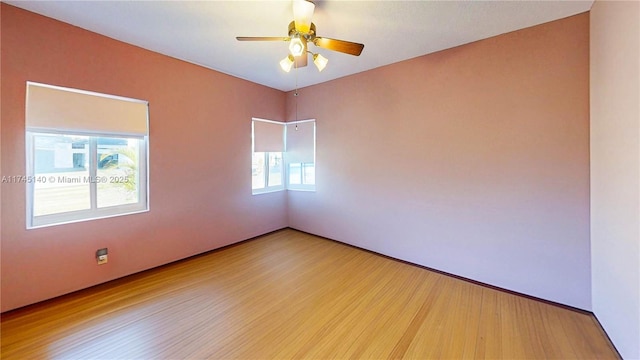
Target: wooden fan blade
[(342, 46), (262, 38), (301, 61)]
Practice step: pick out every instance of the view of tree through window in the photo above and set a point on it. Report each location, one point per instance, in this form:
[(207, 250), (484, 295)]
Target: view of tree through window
[(117, 161)]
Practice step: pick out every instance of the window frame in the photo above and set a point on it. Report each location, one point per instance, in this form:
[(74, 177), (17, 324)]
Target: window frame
[(94, 212), (285, 166), (302, 186), (268, 189), (52, 110), (265, 169)]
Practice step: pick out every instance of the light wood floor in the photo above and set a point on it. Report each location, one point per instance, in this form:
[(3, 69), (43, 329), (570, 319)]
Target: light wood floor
[(293, 295)]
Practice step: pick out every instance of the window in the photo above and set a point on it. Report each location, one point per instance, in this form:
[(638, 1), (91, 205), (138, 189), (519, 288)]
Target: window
[(271, 168), (267, 171), (267, 166), (300, 155), (302, 174), (86, 155)]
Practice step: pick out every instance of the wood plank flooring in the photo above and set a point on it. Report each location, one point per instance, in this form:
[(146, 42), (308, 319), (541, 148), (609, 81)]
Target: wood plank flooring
[(293, 295)]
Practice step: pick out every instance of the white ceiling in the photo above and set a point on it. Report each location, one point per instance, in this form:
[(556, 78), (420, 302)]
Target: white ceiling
[(203, 32)]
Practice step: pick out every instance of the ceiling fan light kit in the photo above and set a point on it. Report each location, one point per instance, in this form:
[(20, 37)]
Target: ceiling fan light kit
[(296, 46), (302, 13), (287, 63), (320, 61), (302, 32)]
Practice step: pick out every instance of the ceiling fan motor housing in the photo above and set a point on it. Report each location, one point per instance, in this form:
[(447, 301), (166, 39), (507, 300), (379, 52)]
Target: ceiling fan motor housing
[(309, 36)]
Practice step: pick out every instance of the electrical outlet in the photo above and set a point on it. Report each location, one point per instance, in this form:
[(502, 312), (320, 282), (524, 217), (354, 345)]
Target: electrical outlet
[(101, 256), (102, 259)]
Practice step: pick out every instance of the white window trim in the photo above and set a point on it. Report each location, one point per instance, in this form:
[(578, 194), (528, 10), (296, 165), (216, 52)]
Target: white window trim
[(302, 187), (34, 222)]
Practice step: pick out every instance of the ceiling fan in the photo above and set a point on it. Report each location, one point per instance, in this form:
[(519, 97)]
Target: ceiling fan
[(302, 32)]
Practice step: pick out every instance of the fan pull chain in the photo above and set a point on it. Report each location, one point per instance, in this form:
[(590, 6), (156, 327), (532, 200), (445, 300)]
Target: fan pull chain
[(295, 94)]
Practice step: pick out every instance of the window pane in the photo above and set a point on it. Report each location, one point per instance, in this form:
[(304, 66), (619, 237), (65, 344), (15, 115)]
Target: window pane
[(275, 168), (61, 169), (257, 171), (309, 174), (295, 174), (118, 176)]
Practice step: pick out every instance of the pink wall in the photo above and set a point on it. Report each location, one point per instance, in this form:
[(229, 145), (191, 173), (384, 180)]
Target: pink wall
[(473, 161), (200, 188)]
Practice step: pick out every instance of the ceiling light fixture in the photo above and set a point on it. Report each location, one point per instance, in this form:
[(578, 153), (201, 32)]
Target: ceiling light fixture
[(320, 61), (287, 63), (296, 46), (302, 14), (301, 33)]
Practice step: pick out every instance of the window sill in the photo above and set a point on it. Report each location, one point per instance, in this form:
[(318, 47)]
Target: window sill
[(266, 191)]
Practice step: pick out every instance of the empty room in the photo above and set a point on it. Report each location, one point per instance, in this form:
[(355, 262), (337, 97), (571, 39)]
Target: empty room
[(327, 179)]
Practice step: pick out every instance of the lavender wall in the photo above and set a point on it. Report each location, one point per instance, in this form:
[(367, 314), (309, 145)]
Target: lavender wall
[(473, 161), (615, 171)]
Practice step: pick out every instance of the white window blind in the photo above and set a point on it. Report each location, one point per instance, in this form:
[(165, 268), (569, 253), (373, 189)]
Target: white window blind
[(63, 109), (301, 142), (268, 136)]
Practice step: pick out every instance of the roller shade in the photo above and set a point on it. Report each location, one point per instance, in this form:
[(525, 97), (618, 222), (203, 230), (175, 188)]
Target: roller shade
[(301, 142), (63, 109), (268, 136)]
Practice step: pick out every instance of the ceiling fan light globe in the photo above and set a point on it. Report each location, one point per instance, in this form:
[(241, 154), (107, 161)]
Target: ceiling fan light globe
[(320, 61), (287, 63), (296, 47), (302, 13)]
